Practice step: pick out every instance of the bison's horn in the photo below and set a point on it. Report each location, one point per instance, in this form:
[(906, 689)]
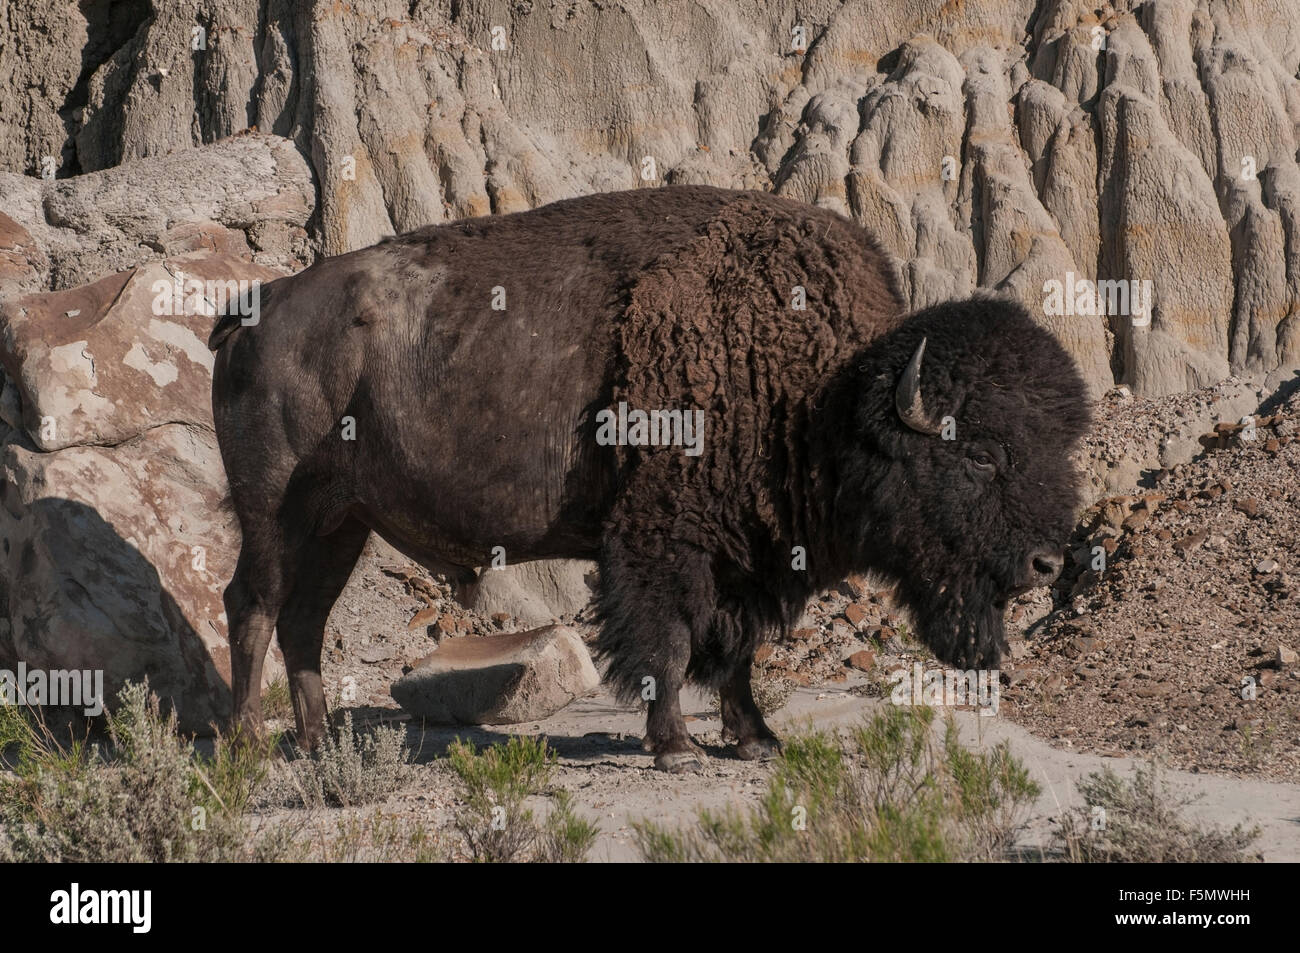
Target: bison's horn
[(907, 398)]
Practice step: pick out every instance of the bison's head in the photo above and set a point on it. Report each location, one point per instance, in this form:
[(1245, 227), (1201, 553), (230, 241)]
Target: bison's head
[(959, 467)]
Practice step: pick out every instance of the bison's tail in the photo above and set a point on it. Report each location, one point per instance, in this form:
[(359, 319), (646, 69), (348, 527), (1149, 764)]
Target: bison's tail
[(226, 325), (237, 314)]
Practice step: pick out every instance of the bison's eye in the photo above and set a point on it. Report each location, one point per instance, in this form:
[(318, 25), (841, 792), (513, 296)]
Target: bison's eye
[(982, 463)]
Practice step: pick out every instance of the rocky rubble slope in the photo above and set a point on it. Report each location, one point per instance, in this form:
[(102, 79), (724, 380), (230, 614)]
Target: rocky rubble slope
[(1184, 641)]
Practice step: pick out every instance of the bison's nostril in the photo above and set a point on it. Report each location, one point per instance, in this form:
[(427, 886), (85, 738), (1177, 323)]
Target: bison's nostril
[(1047, 566)]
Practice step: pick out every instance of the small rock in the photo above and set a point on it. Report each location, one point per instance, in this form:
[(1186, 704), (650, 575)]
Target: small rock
[(855, 613), (1285, 656), (842, 630), (763, 653), (1136, 520), (1192, 541), (803, 635), (373, 654), (858, 586), (1248, 505), (863, 661), (425, 616), (1086, 644), (1113, 514), (1266, 566)]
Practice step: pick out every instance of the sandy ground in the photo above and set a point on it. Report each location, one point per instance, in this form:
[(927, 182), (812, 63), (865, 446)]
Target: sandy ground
[(614, 783)]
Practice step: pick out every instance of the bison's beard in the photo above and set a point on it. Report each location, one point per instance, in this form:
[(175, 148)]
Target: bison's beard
[(963, 624)]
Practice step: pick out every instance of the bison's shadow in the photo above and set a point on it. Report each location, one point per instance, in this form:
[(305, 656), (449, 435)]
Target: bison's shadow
[(429, 742)]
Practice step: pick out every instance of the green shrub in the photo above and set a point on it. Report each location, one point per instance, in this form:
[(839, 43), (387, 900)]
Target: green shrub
[(886, 790), (154, 799), (494, 822), (348, 769)]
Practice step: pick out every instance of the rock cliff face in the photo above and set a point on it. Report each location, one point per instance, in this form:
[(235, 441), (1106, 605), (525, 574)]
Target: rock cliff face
[(997, 143), (1057, 151)]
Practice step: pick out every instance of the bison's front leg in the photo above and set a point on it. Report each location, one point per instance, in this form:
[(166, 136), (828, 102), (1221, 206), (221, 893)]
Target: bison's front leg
[(743, 720), (647, 599), (666, 733)]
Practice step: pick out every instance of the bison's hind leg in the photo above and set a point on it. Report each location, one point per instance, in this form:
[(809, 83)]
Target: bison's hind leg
[(325, 563), (743, 719), (253, 600)]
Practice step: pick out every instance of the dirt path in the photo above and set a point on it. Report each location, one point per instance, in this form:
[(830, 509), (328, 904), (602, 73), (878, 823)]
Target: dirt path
[(613, 782)]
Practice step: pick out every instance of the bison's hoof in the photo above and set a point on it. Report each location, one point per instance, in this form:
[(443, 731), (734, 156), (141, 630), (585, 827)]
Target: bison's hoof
[(680, 762), (758, 749)]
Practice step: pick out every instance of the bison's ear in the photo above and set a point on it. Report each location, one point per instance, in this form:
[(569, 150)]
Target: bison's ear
[(908, 400)]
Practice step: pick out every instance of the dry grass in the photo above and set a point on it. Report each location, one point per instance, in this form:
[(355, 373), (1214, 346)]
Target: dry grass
[(1139, 822)]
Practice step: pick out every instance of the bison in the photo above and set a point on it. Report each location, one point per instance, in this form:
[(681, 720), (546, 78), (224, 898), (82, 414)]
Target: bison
[(454, 390)]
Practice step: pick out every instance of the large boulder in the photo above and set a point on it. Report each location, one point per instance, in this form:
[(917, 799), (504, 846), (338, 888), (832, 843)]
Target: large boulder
[(106, 361), (116, 540), (248, 197), (498, 679), (115, 558)]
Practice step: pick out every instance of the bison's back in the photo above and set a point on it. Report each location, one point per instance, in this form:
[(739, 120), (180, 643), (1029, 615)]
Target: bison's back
[(473, 356)]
